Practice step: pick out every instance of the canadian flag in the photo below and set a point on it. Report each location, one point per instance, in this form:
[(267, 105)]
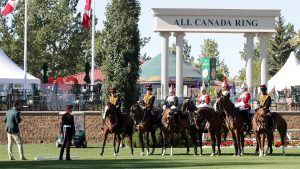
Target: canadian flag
[(9, 7), (86, 22)]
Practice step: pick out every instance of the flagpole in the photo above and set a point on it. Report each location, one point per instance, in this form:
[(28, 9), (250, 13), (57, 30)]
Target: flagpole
[(25, 44), (93, 44)]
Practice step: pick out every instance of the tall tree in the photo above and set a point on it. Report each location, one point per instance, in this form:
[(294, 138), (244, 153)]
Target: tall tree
[(296, 44), (280, 45), (210, 49), (121, 43), (55, 36), (186, 51)]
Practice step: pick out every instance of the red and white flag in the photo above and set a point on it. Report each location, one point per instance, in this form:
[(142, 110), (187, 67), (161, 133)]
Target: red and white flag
[(86, 22), (9, 7)]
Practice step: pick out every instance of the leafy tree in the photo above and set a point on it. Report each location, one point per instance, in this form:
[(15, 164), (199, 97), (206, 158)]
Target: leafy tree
[(121, 43), (186, 51), (143, 43), (280, 45), (296, 43), (55, 36), (210, 49)]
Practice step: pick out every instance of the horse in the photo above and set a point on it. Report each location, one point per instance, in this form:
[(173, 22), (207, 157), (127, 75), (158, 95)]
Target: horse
[(116, 124), (279, 123), (168, 126), (144, 123), (215, 121), (188, 108), (234, 122), (260, 127)]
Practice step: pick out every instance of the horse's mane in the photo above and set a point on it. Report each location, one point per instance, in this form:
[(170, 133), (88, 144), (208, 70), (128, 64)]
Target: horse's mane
[(186, 101), (136, 107)]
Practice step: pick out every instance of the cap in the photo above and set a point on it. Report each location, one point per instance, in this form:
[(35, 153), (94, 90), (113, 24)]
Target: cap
[(149, 86), (112, 89), (263, 87)]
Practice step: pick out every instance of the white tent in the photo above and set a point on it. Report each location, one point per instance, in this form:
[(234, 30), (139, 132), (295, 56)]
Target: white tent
[(12, 73), (287, 76)]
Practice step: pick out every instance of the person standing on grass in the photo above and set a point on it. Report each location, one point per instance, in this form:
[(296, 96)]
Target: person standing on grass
[(12, 120), (68, 130)]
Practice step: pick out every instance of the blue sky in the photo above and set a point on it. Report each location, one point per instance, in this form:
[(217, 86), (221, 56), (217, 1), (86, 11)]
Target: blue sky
[(229, 44)]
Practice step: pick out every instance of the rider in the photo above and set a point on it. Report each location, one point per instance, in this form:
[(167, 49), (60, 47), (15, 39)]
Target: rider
[(171, 102), (243, 104), (148, 100), (115, 100), (265, 103), (204, 99)]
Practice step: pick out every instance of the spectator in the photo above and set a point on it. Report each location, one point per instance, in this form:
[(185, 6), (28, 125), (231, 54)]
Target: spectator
[(12, 120)]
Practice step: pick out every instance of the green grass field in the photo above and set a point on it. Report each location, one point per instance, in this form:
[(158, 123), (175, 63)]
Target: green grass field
[(90, 158)]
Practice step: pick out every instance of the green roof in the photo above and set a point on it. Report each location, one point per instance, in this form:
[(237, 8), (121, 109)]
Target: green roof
[(151, 70)]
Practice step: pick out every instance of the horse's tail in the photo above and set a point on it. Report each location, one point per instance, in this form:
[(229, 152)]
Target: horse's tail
[(281, 126)]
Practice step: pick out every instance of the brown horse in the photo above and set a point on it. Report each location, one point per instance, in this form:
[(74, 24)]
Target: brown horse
[(116, 124), (279, 123), (144, 123), (215, 121), (168, 126), (234, 121), (260, 128)]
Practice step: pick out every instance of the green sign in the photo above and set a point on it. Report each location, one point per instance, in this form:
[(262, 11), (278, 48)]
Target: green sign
[(208, 68)]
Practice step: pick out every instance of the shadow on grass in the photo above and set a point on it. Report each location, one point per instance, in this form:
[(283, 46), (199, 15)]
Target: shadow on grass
[(121, 163)]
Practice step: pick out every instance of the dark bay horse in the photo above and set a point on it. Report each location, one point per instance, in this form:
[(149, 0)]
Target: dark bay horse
[(168, 127), (116, 124), (215, 121), (258, 125), (144, 123), (188, 108), (235, 123)]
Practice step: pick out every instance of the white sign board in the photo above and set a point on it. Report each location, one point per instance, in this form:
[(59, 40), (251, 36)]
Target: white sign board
[(214, 20)]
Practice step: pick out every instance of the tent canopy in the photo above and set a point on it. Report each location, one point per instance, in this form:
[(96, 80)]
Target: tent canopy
[(151, 70), (287, 75), (12, 73)]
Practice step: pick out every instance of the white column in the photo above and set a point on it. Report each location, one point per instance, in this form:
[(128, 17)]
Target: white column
[(249, 60), (164, 64), (264, 58), (179, 63)]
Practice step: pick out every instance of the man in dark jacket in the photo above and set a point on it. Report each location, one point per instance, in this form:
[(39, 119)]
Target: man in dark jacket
[(265, 103), (12, 120), (68, 130)]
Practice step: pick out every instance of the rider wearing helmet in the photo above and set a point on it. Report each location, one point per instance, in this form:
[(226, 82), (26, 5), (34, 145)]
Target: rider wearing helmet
[(265, 103), (243, 104), (204, 99)]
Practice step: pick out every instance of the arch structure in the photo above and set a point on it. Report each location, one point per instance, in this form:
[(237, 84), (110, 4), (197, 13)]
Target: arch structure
[(249, 22)]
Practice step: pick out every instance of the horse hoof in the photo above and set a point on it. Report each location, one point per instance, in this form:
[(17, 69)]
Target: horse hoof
[(162, 154), (187, 153), (115, 154), (212, 154), (142, 154), (101, 154)]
